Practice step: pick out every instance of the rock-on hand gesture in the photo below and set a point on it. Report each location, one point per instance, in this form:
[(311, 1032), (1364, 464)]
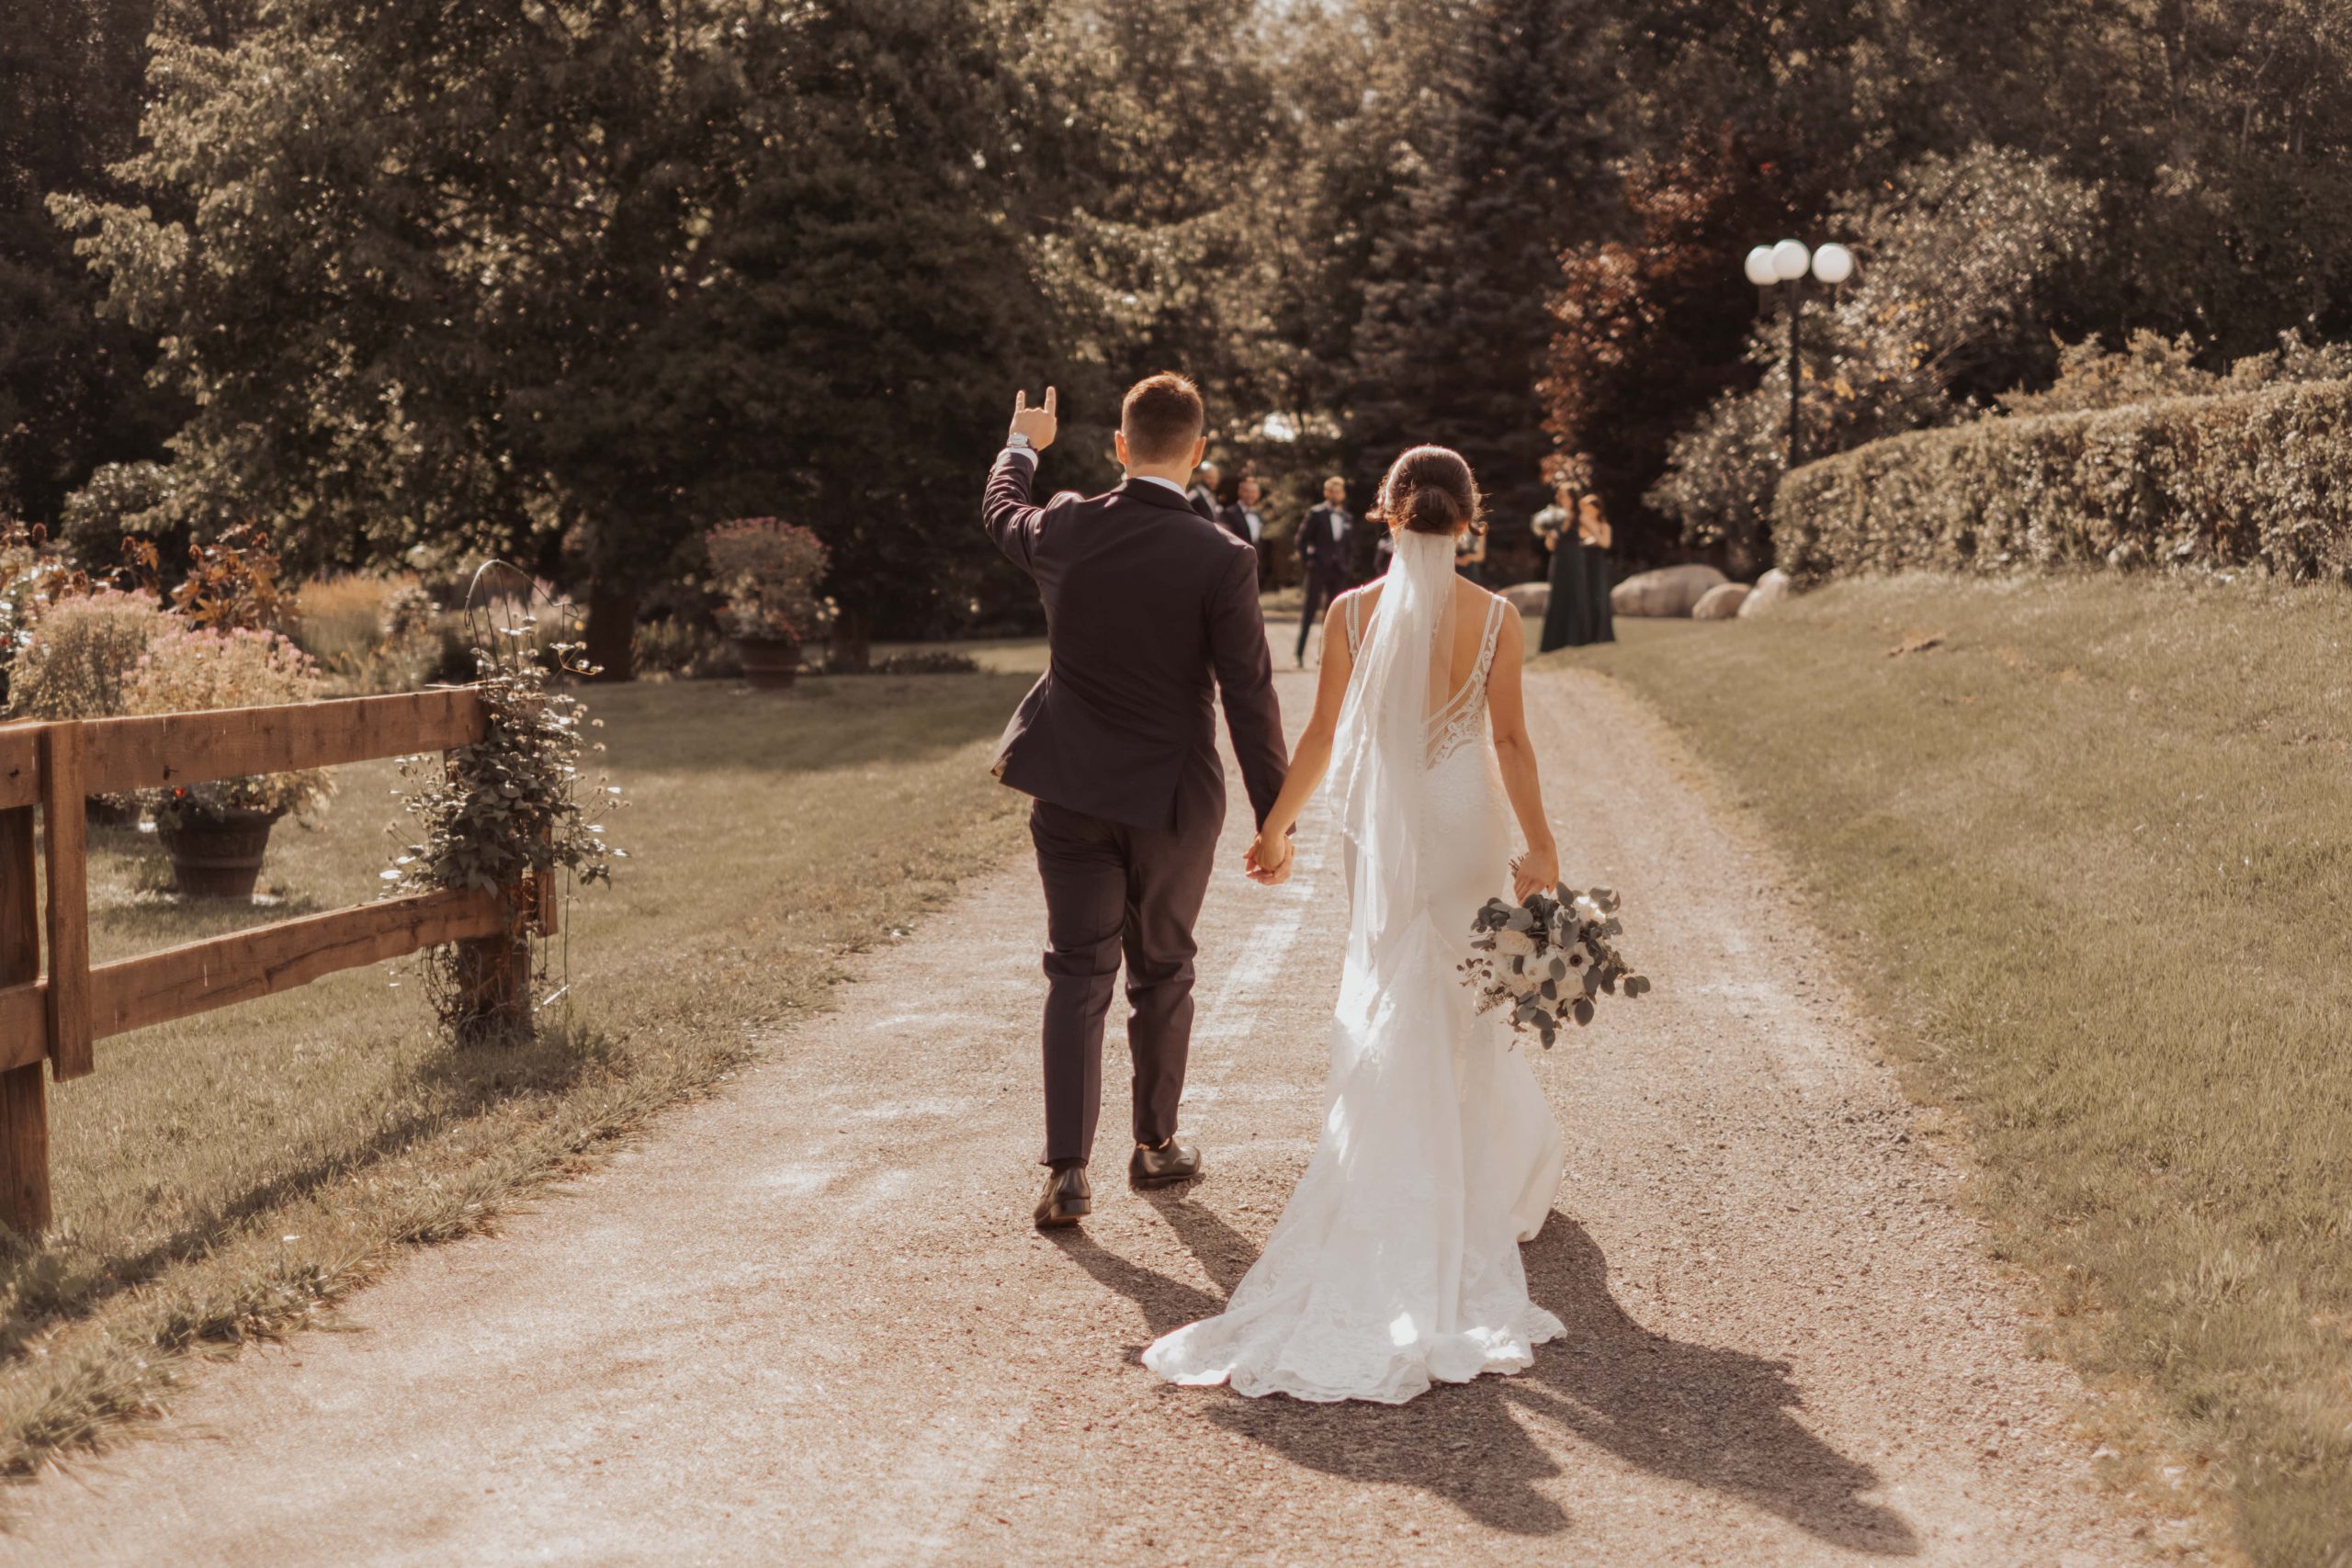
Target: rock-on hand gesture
[(1039, 424)]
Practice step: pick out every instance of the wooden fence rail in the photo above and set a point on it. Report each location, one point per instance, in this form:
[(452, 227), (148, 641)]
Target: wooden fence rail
[(58, 1012)]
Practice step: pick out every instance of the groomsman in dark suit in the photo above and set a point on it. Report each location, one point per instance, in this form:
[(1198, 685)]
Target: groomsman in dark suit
[(1241, 516), (1245, 523), (1323, 551), (1203, 495)]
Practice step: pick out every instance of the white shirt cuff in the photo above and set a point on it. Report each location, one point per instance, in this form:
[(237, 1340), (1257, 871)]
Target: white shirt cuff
[(1028, 452)]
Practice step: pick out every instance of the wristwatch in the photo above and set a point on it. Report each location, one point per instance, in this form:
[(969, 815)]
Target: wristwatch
[(1020, 443)]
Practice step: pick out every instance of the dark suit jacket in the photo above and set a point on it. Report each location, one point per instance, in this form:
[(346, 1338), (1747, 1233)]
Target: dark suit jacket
[(1203, 501), (1321, 554), (1151, 612), (1235, 518)]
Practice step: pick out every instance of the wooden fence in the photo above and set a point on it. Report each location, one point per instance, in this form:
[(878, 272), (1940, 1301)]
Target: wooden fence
[(56, 1012)]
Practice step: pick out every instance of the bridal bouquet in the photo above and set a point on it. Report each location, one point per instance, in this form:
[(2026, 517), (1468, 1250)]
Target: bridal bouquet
[(1548, 959)]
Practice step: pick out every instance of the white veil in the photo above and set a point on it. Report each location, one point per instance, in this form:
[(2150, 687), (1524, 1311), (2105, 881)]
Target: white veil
[(1380, 755)]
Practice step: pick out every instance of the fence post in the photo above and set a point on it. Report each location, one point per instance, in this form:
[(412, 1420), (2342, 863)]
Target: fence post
[(24, 1095), (65, 812), (494, 976), (493, 972)]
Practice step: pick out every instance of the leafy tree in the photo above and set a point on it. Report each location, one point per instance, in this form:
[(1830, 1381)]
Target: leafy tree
[(1959, 259), (394, 323), (73, 387), (2216, 133), (592, 276), (1648, 327)]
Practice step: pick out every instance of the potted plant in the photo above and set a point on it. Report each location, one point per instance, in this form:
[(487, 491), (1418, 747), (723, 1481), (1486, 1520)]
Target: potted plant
[(78, 663), (768, 570), (216, 831)]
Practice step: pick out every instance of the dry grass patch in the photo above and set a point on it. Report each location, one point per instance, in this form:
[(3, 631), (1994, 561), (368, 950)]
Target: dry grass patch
[(2096, 845), (223, 1177)]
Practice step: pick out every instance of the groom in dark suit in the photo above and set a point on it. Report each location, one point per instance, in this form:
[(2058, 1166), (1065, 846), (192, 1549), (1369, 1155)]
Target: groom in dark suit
[(1152, 618)]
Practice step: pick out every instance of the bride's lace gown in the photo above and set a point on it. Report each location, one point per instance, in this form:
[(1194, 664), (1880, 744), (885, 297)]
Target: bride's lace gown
[(1396, 1262)]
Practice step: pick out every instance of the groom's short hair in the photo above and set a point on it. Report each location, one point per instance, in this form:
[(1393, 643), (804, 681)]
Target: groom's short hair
[(1162, 417)]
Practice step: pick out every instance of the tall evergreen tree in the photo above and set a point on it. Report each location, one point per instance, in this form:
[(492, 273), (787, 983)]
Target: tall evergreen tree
[(1511, 156)]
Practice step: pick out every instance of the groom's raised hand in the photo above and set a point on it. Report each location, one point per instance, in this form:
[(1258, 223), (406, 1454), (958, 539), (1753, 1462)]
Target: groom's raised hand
[(1040, 425)]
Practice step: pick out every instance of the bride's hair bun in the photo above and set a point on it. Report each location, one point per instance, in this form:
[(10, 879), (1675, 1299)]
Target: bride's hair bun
[(1429, 490)]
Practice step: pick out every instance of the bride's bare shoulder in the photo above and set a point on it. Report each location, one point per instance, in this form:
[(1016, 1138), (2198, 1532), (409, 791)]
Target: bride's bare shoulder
[(1468, 596)]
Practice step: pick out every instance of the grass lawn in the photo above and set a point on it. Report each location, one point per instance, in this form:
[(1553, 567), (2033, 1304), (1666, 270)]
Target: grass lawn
[(2095, 846), (223, 1177)]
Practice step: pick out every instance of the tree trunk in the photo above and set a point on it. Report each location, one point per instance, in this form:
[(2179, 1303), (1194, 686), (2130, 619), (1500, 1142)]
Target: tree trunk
[(612, 632)]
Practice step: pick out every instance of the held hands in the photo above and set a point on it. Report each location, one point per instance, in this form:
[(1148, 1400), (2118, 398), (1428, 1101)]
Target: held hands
[(1537, 871), (1269, 860), (1039, 425)]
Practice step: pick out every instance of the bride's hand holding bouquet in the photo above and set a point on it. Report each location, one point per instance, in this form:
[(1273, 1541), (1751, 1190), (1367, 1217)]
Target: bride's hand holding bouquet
[(1537, 871)]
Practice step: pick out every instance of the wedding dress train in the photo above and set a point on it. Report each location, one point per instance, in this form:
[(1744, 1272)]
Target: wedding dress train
[(1395, 1263)]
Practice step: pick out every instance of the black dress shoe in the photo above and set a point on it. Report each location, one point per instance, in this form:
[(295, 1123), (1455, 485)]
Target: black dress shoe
[(1166, 1165), (1067, 1196)]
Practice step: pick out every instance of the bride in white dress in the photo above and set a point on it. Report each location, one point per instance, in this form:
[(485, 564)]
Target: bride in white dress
[(1396, 1262)]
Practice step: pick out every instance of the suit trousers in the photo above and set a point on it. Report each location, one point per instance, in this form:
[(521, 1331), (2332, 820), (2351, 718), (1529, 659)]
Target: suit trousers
[(1323, 585), (1115, 891)]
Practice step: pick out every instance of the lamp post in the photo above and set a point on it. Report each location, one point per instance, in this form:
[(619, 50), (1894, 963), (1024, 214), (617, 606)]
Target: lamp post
[(1788, 263)]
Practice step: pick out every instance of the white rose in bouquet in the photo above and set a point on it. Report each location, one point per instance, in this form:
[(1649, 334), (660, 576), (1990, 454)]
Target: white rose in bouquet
[(1515, 944)]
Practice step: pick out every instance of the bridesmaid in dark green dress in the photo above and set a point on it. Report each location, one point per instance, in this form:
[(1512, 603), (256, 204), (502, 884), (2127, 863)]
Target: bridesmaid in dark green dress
[(1593, 539), (1567, 618)]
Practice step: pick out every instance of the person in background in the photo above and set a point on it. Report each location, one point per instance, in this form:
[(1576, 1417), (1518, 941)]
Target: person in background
[(1323, 555), (1567, 618), (1243, 521), (1383, 547), (1204, 494), (1593, 539), (1240, 515), (1470, 554)]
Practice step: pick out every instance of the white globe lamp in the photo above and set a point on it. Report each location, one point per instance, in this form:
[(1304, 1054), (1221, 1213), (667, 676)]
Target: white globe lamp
[(1789, 258), (1833, 263), (1760, 267)]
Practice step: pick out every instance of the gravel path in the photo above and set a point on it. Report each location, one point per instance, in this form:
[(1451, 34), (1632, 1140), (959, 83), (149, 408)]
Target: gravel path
[(809, 1322)]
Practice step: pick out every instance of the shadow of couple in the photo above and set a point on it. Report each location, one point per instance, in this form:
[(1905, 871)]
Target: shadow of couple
[(1690, 1412)]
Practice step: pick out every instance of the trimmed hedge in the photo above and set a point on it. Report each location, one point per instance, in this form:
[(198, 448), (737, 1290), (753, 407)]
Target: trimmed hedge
[(2253, 479)]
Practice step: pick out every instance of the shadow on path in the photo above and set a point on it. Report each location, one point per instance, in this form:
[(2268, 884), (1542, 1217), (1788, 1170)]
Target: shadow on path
[(1715, 1418)]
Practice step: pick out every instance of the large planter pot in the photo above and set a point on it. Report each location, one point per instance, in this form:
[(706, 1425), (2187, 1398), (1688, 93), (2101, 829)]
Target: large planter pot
[(217, 856), (770, 663)]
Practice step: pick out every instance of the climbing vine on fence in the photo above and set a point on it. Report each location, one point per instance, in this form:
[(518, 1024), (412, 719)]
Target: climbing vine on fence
[(513, 805)]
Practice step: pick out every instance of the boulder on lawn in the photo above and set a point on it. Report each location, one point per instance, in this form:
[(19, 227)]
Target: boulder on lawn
[(1668, 590), (1529, 598), (1720, 603), (1771, 588)]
